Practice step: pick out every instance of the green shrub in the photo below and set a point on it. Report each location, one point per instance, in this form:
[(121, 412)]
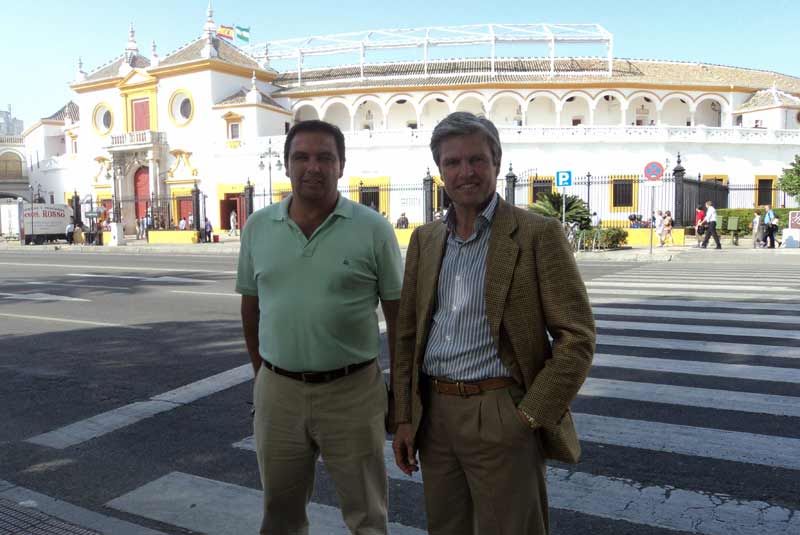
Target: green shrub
[(606, 238), (745, 216)]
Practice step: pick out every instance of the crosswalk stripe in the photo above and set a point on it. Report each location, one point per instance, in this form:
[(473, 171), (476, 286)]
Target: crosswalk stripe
[(630, 285), (733, 305), (665, 507), (736, 446), (115, 419), (683, 279), (693, 397), (682, 314), (705, 369), (716, 330), (729, 348), (218, 508), (694, 294)]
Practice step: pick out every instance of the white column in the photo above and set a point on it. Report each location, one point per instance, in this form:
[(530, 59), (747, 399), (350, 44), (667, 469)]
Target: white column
[(151, 170), (658, 116), (692, 117), (591, 115), (624, 115)]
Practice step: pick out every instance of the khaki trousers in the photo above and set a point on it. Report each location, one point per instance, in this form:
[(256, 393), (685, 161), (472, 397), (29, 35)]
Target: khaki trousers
[(483, 469), (342, 420)]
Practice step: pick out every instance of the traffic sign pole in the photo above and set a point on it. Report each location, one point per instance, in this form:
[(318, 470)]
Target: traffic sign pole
[(563, 180), (654, 171)]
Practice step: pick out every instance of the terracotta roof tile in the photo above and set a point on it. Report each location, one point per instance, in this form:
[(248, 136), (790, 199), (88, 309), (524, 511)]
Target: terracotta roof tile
[(226, 51), (70, 109), (769, 98), (111, 70), (533, 71), (240, 97)]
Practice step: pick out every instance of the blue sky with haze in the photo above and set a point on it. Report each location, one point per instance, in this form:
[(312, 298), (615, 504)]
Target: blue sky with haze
[(41, 40)]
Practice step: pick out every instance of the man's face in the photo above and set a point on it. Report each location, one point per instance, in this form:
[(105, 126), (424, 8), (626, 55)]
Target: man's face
[(313, 166), (468, 170)]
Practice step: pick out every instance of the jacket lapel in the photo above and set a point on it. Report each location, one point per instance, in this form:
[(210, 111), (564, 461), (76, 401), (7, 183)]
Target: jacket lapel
[(500, 263), (431, 255)]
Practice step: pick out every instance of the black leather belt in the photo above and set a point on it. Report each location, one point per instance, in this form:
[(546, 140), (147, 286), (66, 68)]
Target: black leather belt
[(319, 377)]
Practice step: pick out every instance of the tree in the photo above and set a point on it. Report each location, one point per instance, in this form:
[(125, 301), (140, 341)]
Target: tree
[(790, 180), (549, 204)]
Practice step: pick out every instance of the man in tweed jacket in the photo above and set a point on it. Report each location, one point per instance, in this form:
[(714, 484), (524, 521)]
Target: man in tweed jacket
[(480, 390)]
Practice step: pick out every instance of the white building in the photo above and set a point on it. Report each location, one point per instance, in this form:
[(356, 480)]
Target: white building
[(213, 115)]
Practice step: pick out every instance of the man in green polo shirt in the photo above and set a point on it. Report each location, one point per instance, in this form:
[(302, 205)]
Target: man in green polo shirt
[(312, 270)]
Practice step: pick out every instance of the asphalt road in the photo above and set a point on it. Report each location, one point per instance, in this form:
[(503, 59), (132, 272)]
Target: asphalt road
[(689, 419)]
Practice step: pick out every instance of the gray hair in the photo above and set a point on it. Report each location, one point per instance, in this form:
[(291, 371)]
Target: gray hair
[(462, 123)]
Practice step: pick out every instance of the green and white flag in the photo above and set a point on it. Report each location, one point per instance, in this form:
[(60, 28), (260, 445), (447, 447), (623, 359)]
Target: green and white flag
[(243, 34)]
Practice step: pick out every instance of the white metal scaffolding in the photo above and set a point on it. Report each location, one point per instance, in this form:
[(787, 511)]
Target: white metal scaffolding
[(489, 35)]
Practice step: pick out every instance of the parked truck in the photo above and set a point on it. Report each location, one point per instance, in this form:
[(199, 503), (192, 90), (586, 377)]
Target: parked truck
[(41, 223)]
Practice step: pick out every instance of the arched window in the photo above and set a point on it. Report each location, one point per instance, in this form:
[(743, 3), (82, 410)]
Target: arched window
[(10, 166)]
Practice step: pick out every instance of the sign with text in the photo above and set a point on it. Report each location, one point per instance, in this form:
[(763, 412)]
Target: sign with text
[(794, 219), (563, 178)]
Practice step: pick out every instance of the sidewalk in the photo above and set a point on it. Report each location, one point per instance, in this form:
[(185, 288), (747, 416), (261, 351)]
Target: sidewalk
[(27, 512), (229, 245)]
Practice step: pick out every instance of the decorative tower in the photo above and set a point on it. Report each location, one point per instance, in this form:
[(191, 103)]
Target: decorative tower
[(154, 59), (210, 32), (81, 74), (253, 96), (132, 49)]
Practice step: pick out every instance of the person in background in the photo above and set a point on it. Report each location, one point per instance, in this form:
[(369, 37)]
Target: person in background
[(711, 225), (667, 235), (769, 227), (402, 221), (182, 224), (699, 217), (596, 220), (658, 223), (234, 221), (209, 230), (70, 230), (756, 226)]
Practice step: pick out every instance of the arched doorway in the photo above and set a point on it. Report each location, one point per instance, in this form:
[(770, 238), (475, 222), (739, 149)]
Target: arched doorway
[(10, 166), (401, 114), (338, 114), (141, 191), (306, 112)]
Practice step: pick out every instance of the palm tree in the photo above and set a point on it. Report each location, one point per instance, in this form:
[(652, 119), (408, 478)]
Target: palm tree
[(549, 204)]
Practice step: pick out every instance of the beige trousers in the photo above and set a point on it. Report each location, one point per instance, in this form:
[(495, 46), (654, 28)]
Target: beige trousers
[(483, 469), (342, 420)]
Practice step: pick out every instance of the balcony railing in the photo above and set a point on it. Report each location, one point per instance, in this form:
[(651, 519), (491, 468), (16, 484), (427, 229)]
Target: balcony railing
[(12, 140), (137, 139)]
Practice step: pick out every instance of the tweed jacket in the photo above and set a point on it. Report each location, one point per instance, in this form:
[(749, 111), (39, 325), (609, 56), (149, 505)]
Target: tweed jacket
[(533, 288)]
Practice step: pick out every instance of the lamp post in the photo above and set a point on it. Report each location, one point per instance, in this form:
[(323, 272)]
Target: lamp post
[(269, 155)]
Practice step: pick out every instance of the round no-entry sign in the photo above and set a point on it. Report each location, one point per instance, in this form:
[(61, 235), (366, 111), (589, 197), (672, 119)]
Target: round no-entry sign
[(654, 171)]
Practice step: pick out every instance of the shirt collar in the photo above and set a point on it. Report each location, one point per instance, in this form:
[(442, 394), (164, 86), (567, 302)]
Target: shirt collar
[(343, 208), (484, 218)]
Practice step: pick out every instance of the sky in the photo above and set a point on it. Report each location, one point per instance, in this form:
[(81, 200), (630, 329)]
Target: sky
[(42, 40)]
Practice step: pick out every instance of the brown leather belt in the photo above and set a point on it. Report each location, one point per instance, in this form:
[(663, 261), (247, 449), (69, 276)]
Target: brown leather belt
[(319, 377), (460, 388)]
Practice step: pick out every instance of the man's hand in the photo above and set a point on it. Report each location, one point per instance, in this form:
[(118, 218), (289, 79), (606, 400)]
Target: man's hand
[(405, 454)]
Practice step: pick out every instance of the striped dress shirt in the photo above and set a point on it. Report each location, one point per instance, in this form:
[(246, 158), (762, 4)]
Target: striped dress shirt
[(460, 345)]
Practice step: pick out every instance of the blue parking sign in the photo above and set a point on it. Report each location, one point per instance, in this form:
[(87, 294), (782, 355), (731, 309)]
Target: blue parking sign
[(563, 178)]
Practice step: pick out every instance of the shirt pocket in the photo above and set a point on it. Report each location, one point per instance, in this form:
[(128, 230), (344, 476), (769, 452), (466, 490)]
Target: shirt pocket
[(351, 273)]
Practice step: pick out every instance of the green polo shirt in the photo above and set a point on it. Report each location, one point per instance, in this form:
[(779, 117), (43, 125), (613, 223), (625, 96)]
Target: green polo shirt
[(318, 296)]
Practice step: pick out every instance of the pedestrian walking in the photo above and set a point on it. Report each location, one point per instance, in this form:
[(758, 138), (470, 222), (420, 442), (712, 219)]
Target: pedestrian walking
[(699, 228), (710, 222), (234, 222), (757, 230), (658, 223), (312, 335), (473, 394), (182, 224), (209, 230), (769, 227), (667, 234)]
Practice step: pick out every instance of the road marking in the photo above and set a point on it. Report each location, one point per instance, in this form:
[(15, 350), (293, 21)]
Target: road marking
[(104, 423), (682, 314), (716, 330), (683, 280), (629, 285), (76, 285), (219, 508), (706, 369), (693, 294), (79, 322), (727, 400), (735, 305), (736, 446), (165, 278), (118, 268), (218, 294), (40, 297), (729, 348), (624, 499)]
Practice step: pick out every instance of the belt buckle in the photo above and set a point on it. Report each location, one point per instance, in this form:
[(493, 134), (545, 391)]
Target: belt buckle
[(303, 377), (461, 391)]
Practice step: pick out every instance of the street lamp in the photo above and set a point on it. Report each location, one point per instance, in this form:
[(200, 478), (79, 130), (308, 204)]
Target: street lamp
[(269, 154)]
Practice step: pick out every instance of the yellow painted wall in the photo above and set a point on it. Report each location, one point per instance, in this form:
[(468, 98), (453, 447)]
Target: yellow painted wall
[(173, 236), (403, 236), (639, 237)]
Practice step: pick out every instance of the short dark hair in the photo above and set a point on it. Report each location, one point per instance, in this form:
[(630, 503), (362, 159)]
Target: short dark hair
[(463, 123), (314, 125)]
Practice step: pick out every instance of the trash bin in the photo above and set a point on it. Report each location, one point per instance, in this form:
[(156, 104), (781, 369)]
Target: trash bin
[(215, 238)]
